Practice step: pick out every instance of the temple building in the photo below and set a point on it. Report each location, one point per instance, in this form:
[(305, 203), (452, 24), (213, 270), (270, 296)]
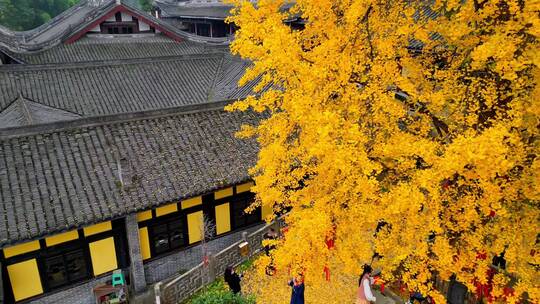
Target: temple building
[(202, 18), (206, 17), (114, 149)]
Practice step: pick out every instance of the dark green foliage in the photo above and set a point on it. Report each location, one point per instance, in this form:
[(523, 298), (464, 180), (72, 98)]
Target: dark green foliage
[(218, 293), (146, 5), (21, 15)]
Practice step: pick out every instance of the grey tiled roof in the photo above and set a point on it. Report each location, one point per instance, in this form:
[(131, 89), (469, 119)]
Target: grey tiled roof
[(205, 9), (232, 70), (94, 89), (52, 181), (195, 9), (22, 112), (116, 48)]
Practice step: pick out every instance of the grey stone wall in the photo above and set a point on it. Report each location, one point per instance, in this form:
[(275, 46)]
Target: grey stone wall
[(81, 294), (180, 262)]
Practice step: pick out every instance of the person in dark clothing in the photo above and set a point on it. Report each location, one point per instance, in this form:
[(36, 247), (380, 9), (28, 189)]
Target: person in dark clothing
[(232, 279), (416, 296), (297, 295), (499, 261)]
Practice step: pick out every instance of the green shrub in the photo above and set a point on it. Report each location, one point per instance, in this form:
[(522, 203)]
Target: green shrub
[(218, 293)]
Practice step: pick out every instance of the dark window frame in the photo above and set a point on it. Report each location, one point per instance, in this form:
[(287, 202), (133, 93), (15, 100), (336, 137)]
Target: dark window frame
[(245, 198), (238, 204), (167, 220), (75, 246), (203, 28), (119, 27)]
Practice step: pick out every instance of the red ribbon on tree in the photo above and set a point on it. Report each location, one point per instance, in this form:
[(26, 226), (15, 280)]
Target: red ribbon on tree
[(376, 280), (508, 291), (329, 244), (327, 273), (481, 256)]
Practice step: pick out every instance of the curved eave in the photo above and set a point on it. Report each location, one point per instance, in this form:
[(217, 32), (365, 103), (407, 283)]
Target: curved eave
[(122, 8)]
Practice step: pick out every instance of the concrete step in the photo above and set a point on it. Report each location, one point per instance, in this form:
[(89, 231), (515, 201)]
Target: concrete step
[(383, 299), (144, 298)]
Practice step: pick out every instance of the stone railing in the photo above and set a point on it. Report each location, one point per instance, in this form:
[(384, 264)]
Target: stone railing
[(178, 289)]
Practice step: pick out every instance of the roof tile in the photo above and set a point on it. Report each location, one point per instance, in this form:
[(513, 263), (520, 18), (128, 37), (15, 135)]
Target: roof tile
[(74, 179)]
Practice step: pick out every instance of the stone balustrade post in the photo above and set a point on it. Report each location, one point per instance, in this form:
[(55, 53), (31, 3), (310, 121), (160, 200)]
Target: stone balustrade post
[(212, 267), (157, 292)]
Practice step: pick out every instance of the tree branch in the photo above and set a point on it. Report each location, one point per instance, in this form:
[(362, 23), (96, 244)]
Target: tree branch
[(366, 20)]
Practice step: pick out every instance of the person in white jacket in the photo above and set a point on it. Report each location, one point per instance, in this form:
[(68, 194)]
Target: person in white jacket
[(364, 294)]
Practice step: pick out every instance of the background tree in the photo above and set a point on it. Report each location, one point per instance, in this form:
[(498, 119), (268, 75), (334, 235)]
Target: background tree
[(21, 15), (403, 131), (146, 5)]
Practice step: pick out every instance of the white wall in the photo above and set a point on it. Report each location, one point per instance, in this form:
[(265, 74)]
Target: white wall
[(126, 17), (143, 26), (96, 29)]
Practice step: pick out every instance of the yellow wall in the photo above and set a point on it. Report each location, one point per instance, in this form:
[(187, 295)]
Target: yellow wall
[(223, 218), (145, 243), (144, 215), (192, 202), (97, 228), (62, 237), (103, 256), (223, 193), (244, 187), (194, 226), (25, 280), (21, 248), (265, 211), (166, 209)]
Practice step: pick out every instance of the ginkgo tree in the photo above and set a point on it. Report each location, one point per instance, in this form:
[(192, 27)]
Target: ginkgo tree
[(406, 132)]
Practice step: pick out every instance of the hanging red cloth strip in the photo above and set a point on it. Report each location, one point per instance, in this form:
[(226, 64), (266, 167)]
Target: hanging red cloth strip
[(329, 244), (327, 273), (378, 281)]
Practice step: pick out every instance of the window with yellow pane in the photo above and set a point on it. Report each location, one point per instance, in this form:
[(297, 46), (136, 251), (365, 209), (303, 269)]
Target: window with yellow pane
[(65, 259)]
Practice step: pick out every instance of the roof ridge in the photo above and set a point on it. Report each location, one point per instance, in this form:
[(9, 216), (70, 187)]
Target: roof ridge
[(219, 72), (9, 104), (112, 119), (103, 63), (28, 110), (24, 108), (29, 101)]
